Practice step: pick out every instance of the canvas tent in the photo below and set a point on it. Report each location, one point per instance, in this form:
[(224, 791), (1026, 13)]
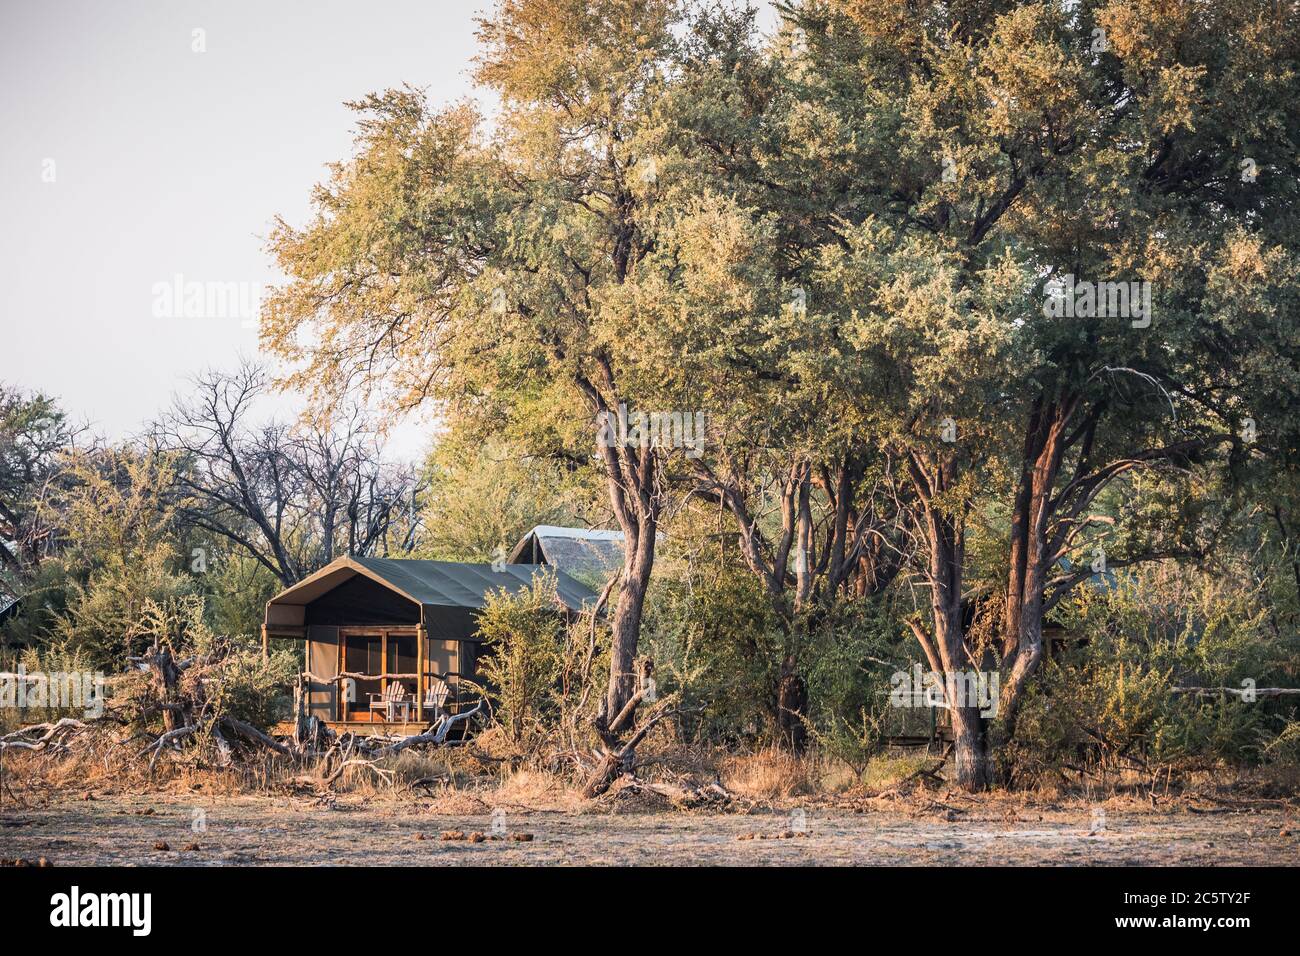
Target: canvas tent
[(590, 555), (9, 607), (387, 620)]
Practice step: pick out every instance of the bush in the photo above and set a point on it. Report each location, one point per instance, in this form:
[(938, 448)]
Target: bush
[(47, 666), (849, 660), (226, 676), (1108, 703), (717, 641), (524, 637)]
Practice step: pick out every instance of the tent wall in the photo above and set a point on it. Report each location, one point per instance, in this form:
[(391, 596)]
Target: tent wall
[(361, 602), (285, 615), (323, 661), (452, 623), (442, 657), (469, 651)]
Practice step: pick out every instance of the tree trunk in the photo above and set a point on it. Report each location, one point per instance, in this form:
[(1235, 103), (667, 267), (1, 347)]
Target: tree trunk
[(970, 742), (639, 562), (1020, 527), (791, 706), (166, 678), (970, 748), (948, 654), (1031, 559)]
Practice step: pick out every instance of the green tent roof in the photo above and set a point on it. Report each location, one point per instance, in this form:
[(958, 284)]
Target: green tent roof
[(432, 585), (453, 584)]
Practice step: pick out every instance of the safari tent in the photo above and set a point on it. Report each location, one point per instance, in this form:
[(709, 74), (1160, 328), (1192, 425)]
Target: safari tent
[(586, 554), (393, 643)]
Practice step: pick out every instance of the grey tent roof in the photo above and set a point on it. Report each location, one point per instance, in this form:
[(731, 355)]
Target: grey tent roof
[(588, 554), (435, 584)]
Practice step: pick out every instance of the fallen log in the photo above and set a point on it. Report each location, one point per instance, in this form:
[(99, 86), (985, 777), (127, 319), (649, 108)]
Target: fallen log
[(616, 762), (63, 726), (171, 736), (683, 797), (253, 735), (1242, 692), (385, 775)]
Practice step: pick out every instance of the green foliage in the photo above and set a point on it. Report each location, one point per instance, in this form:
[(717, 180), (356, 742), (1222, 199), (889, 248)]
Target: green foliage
[(1108, 702), (228, 676), (47, 662), (524, 638), (245, 686), (235, 588), (716, 640), (850, 659), (484, 496), (44, 601), (121, 552), (1285, 747), (34, 433)]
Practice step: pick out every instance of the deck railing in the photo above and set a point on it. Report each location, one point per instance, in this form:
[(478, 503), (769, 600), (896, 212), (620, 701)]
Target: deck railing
[(462, 692)]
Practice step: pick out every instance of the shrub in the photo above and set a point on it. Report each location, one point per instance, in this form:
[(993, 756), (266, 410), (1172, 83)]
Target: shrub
[(1109, 703), (524, 638), (717, 641)]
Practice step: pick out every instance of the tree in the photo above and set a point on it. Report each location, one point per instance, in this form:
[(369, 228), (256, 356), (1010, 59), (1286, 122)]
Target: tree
[(119, 550), (291, 498), (1002, 140), (792, 441), (483, 272), (34, 433), (484, 497)]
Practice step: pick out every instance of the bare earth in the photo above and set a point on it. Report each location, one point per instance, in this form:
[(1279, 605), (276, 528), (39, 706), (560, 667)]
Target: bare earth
[(121, 831)]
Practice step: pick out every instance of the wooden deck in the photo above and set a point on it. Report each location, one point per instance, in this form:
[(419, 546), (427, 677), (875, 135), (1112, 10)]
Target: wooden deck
[(362, 728)]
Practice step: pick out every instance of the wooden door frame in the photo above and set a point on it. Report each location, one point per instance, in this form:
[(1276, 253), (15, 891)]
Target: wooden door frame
[(383, 633)]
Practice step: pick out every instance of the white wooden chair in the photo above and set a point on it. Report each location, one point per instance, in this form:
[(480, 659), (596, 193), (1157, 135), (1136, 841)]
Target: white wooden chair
[(393, 698), (435, 698)]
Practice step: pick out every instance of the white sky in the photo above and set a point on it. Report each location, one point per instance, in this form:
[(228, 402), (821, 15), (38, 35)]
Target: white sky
[(168, 161)]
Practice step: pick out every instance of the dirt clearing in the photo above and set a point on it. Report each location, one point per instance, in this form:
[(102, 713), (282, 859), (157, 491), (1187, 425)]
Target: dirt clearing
[(167, 831)]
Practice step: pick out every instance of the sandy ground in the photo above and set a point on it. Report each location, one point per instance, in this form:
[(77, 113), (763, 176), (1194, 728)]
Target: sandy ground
[(165, 830)]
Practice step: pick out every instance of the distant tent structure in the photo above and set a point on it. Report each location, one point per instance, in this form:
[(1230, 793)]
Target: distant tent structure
[(9, 607), (391, 641), (589, 555)]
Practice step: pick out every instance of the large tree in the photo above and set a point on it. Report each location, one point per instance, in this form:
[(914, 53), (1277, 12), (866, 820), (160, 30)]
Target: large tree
[(481, 270), (1015, 145)]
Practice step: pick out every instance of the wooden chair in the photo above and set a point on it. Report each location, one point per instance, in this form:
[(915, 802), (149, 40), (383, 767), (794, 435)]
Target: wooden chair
[(435, 698), (394, 696)]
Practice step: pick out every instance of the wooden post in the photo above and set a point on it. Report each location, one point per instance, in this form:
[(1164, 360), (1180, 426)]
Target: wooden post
[(300, 711), (421, 635), (266, 644)]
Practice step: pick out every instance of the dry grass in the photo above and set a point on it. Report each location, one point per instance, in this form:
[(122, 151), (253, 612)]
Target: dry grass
[(474, 780), (541, 791), (888, 770), (768, 774)]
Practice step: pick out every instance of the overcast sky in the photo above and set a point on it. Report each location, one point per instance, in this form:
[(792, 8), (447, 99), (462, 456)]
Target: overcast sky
[(128, 159)]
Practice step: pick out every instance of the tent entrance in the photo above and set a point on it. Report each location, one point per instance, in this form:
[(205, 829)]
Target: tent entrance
[(389, 655)]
